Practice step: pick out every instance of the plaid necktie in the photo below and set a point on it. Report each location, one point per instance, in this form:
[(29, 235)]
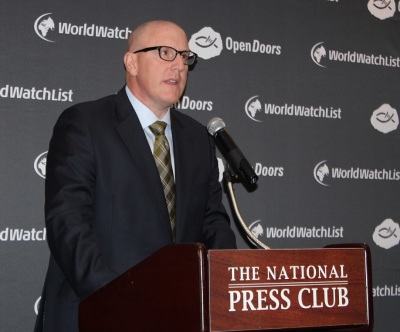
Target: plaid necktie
[(163, 161)]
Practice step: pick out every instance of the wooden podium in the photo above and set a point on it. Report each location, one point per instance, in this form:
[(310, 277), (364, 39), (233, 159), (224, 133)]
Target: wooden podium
[(186, 288)]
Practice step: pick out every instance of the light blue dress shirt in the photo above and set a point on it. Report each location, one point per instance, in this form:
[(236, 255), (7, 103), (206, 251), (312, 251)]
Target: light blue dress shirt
[(147, 118)]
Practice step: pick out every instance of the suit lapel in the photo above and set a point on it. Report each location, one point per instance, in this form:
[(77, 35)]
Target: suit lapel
[(183, 155), (131, 132)]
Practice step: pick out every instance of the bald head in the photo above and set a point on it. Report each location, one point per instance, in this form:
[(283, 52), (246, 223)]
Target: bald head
[(140, 36), (154, 81)]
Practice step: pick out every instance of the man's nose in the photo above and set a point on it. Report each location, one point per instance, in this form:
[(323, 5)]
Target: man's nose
[(178, 63)]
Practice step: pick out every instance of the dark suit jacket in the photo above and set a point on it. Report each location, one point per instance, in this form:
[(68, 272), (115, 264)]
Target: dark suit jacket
[(105, 208)]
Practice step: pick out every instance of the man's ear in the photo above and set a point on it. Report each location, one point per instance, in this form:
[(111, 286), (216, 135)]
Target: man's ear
[(130, 63)]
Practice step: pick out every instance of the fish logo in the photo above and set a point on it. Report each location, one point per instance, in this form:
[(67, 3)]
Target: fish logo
[(385, 119), (207, 43), (382, 9), (387, 234)]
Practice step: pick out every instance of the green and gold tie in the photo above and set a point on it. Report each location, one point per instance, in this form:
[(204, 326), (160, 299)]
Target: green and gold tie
[(162, 158)]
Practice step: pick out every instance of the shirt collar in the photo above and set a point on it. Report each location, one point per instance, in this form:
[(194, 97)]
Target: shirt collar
[(145, 115)]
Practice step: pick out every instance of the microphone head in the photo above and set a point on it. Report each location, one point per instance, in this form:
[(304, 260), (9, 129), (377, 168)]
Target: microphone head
[(214, 125)]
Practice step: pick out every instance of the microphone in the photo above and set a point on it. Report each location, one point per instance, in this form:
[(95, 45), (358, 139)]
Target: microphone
[(235, 158)]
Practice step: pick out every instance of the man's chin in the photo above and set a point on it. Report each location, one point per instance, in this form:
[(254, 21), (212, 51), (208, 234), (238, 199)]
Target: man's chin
[(171, 101)]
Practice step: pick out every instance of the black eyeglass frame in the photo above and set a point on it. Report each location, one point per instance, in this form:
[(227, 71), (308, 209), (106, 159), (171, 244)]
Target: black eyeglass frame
[(191, 55)]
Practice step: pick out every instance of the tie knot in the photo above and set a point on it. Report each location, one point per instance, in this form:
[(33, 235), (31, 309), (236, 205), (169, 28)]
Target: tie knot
[(158, 128)]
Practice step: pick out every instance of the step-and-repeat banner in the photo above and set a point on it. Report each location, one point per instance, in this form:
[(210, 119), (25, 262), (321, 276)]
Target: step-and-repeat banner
[(309, 89)]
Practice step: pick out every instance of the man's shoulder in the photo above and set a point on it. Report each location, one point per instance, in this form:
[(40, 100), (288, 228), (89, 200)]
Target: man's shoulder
[(103, 102), (104, 105), (187, 121)]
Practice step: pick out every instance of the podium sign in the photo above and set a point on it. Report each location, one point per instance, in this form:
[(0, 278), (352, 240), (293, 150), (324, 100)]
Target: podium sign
[(184, 288), (284, 289)]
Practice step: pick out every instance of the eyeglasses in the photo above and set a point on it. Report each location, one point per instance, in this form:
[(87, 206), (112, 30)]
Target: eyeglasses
[(168, 53)]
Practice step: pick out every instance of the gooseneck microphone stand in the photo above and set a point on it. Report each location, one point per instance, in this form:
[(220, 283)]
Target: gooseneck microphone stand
[(229, 181)]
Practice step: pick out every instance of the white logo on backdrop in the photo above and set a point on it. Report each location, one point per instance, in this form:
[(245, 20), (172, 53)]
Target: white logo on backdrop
[(185, 103), (262, 170), (253, 106), (385, 119), (206, 43), (33, 93), (321, 171), (221, 169), (382, 9), (40, 165), (36, 306), (320, 55), (293, 232), (387, 234), (318, 52), (256, 228), (43, 25)]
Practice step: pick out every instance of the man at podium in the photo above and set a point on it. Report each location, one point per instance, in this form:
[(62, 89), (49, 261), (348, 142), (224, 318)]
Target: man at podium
[(126, 176)]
